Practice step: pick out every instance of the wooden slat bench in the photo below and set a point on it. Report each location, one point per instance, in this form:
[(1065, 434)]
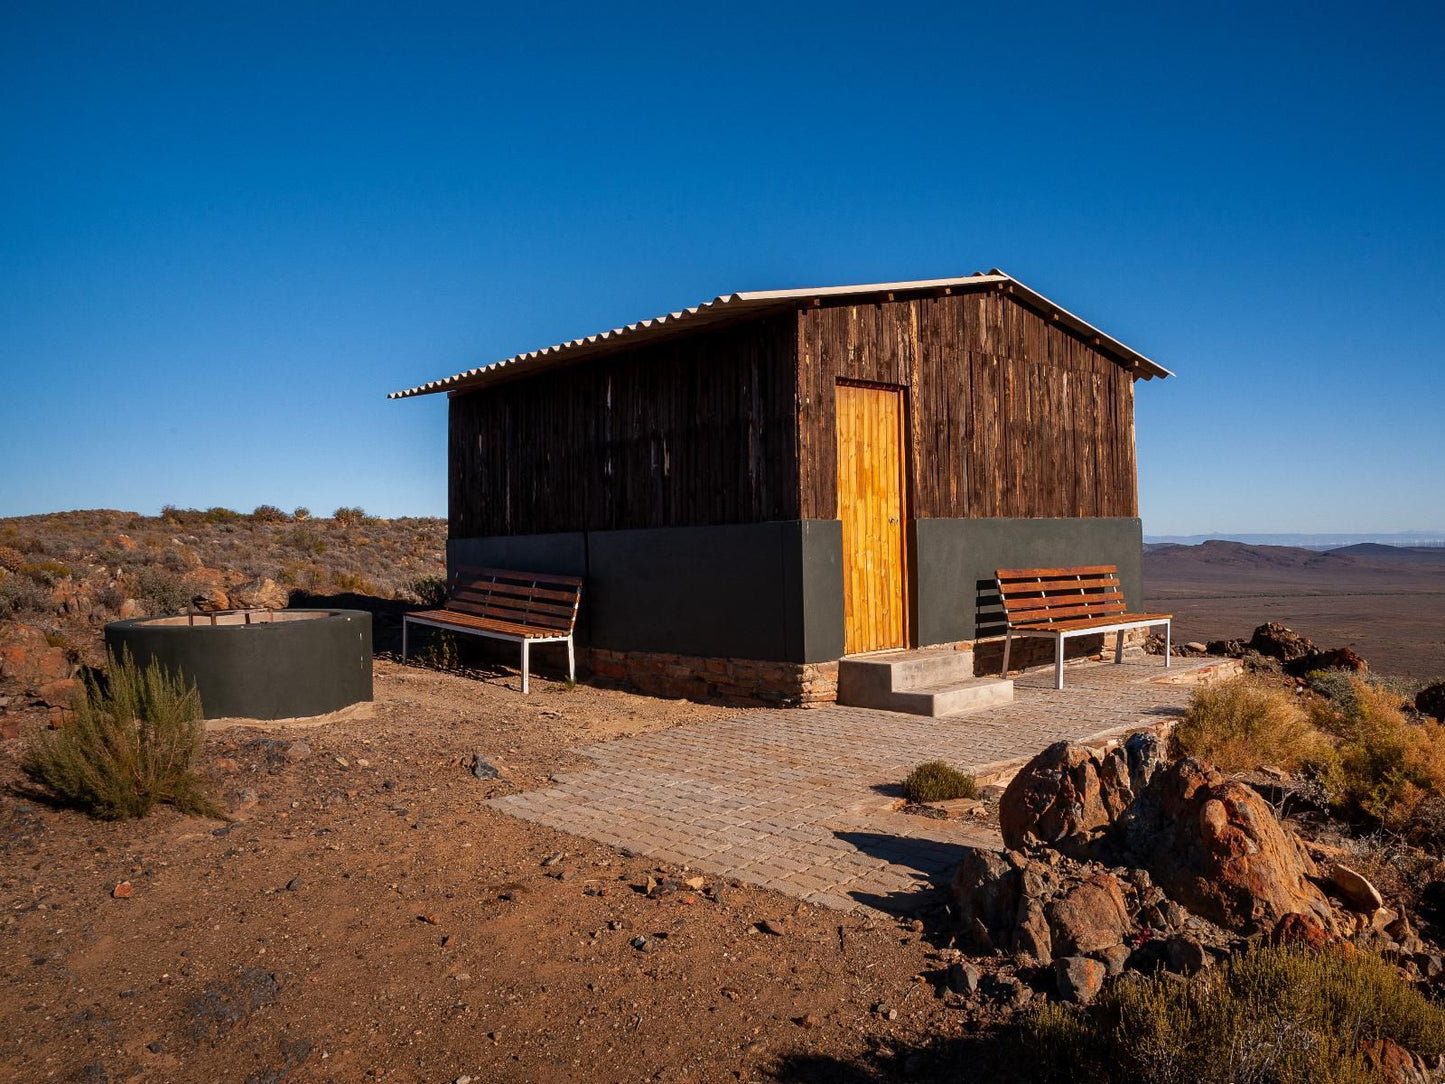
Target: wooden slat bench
[(1064, 602), (504, 604)]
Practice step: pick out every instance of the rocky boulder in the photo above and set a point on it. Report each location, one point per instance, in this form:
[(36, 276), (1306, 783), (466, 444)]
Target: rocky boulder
[(1089, 916), (1279, 642), (259, 595), (1431, 701), (1065, 795), (27, 657), (1214, 845), (1339, 658)]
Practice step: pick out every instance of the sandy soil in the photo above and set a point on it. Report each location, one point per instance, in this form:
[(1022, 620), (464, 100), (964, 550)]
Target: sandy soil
[(366, 917)]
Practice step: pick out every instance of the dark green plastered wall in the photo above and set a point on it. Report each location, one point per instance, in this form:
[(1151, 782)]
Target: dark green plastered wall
[(768, 591), (955, 559)]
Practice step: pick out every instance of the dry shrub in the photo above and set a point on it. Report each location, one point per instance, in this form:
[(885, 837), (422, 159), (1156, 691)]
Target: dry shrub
[(1385, 766), (935, 781), (11, 559), (129, 745), (1246, 723), (1267, 1016)]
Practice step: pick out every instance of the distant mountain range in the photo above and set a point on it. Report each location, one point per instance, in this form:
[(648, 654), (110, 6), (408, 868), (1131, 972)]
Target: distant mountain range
[(1411, 539)]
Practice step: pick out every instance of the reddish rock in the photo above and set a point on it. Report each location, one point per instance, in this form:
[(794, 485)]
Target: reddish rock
[(1340, 658), (986, 886), (1394, 1063), (122, 891), (1214, 845), (27, 658), (1079, 978), (1431, 701), (210, 599), (58, 694), (259, 595), (1090, 916), (1280, 642), (1059, 797), (1298, 929)]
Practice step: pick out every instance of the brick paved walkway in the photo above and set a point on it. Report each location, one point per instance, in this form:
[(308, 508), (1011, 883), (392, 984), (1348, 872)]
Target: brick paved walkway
[(801, 801)]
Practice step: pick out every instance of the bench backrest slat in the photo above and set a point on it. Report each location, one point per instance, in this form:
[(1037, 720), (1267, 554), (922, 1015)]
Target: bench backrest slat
[(1043, 596), (538, 599)]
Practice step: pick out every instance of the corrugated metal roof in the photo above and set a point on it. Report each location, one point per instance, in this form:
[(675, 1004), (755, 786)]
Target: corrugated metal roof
[(733, 306)]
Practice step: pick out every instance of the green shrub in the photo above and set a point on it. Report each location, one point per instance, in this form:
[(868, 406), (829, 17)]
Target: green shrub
[(935, 781), (22, 595), (352, 517), (163, 591), (46, 571), (301, 512), (128, 746), (1245, 723), (1270, 1016), (220, 515), (353, 583), (306, 540), (430, 591), (268, 513), (439, 651), (1385, 766)]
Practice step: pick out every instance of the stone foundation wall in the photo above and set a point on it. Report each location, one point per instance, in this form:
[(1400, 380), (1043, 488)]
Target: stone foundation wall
[(754, 681)]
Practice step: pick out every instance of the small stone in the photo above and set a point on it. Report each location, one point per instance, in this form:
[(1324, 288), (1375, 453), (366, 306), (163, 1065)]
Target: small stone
[(297, 750), (1187, 956), (122, 891), (807, 1020), (1114, 959), (963, 978), (1080, 979), (644, 944), (462, 1080), (1356, 889), (481, 768), (431, 918), (775, 926), (293, 885), (731, 994), (552, 859)]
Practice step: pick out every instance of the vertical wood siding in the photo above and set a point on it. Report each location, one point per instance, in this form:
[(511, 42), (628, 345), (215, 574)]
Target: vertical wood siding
[(1009, 415), (695, 431)]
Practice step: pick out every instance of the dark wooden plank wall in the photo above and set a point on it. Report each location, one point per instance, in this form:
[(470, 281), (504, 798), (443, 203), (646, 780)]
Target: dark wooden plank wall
[(693, 431), (1008, 414)]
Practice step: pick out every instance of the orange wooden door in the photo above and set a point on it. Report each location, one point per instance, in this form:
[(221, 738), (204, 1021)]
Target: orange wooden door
[(870, 504)]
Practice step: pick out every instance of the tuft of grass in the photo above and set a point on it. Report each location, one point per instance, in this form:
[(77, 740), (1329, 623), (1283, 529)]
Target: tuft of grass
[(1271, 1015), (1246, 723), (129, 745), (935, 781)]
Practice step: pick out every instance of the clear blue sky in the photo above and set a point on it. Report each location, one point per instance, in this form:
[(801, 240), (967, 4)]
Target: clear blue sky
[(226, 231)]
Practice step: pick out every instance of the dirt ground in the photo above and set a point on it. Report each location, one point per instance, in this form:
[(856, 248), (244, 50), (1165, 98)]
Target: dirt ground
[(366, 917)]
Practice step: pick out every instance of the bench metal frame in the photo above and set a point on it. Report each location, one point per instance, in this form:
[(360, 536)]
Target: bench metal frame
[(1115, 622), (544, 635)]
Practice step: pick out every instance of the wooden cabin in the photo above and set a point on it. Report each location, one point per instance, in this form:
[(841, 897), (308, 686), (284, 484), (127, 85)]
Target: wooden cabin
[(757, 486)]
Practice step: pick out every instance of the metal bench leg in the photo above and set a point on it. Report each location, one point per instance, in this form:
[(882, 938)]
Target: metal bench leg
[(526, 647), (571, 662), (1166, 645), (1118, 647), (1008, 642), (404, 624), (1058, 662)]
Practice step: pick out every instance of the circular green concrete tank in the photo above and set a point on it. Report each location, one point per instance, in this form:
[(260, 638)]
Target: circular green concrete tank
[(258, 664)]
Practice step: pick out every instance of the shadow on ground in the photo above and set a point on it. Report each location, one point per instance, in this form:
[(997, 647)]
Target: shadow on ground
[(985, 1058), (931, 863)]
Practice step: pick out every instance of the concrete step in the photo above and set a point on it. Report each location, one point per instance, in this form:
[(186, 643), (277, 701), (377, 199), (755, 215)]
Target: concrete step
[(933, 682), (952, 698)]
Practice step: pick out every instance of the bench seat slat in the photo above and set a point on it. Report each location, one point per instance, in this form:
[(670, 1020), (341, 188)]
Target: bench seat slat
[(1064, 613), (472, 621)]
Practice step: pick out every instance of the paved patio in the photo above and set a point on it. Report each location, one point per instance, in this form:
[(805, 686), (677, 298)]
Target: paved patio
[(802, 801)]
